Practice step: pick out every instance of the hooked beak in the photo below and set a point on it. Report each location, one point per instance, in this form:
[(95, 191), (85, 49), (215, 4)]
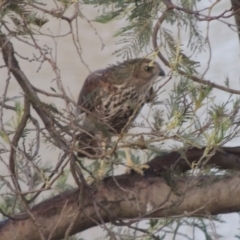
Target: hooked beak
[(161, 73)]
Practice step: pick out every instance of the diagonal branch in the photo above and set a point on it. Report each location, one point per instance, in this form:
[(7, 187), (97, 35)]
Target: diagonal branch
[(44, 113), (139, 198), (13, 66)]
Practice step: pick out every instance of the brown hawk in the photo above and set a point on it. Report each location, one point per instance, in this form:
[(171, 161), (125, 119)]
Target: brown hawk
[(113, 97)]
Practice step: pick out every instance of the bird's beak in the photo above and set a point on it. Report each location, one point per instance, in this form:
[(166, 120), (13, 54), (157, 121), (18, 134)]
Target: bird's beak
[(161, 73)]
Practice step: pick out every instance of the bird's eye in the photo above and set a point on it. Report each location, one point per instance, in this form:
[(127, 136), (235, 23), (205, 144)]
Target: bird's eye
[(147, 68)]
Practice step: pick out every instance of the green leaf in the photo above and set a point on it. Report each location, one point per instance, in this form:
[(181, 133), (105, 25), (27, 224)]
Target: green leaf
[(107, 17), (4, 136), (53, 89), (39, 21)]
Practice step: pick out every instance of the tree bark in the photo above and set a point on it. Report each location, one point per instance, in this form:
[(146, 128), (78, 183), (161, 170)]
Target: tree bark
[(134, 197)]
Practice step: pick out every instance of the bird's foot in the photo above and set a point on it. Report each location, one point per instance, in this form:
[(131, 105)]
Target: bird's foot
[(94, 180), (137, 168), (93, 184), (133, 167)]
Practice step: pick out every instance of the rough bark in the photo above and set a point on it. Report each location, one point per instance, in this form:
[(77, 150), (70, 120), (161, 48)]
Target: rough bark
[(224, 158), (133, 197)]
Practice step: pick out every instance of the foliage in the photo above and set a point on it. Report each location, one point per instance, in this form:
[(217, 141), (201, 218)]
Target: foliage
[(190, 116)]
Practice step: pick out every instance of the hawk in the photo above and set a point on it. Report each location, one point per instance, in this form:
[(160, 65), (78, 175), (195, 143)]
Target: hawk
[(113, 97)]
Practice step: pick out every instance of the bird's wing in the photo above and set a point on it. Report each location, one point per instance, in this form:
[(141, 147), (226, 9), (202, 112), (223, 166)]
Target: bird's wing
[(89, 96)]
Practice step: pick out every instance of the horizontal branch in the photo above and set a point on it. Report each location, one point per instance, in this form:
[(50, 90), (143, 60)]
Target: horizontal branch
[(135, 197), (225, 158)]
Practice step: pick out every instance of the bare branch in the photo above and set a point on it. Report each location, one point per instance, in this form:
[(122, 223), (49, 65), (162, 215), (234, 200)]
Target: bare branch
[(187, 75), (13, 66)]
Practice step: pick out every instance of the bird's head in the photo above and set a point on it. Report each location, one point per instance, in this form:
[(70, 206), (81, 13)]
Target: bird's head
[(139, 71), (147, 71)]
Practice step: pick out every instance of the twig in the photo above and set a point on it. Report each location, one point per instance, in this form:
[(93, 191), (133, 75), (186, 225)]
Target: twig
[(187, 75)]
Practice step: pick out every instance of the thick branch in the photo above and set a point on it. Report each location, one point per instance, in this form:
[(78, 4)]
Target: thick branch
[(133, 196), (224, 158), (137, 198)]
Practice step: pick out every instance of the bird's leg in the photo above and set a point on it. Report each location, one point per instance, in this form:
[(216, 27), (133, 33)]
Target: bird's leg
[(100, 174), (132, 166)]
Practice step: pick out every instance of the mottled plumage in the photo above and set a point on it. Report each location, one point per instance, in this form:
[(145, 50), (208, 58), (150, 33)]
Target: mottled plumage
[(114, 96)]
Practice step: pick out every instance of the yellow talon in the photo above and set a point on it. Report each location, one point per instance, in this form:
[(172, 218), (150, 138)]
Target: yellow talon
[(131, 166)]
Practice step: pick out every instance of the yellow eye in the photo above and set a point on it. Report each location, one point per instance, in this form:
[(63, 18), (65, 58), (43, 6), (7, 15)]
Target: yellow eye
[(148, 68)]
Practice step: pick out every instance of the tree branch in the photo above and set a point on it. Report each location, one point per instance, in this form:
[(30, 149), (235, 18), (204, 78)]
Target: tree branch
[(44, 113), (13, 66), (236, 7), (136, 197), (226, 158), (170, 7)]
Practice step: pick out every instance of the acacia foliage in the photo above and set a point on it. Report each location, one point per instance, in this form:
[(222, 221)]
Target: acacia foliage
[(189, 117)]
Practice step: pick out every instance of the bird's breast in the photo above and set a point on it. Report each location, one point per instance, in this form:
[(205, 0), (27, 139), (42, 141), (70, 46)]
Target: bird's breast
[(120, 107), (117, 108)]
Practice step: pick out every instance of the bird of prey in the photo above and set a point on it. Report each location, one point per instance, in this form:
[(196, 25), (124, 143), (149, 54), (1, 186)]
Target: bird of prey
[(113, 97)]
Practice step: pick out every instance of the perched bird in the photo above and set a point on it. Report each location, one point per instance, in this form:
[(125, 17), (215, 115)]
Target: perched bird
[(113, 97)]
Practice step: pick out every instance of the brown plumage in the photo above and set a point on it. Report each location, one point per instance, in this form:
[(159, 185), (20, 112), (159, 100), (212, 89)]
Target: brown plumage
[(113, 97)]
